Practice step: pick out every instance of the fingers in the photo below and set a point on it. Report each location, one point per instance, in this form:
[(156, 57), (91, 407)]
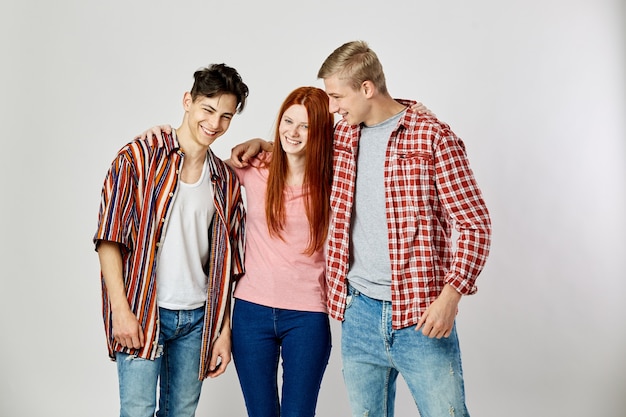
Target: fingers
[(435, 332), (150, 133), (420, 108), (433, 328), (248, 155), (267, 146), (237, 155), (241, 154), (135, 341), (128, 332), (218, 365), (421, 321), (236, 160), (155, 133)]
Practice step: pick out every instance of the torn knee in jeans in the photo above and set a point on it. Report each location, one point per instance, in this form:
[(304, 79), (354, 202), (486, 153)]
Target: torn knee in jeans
[(159, 351), (158, 354)]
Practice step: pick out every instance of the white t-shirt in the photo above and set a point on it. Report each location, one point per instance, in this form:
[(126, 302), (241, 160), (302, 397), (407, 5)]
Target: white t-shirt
[(181, 281)]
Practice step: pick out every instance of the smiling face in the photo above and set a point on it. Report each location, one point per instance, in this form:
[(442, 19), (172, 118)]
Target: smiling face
[(344, 100), (208, 118), (293, 129)]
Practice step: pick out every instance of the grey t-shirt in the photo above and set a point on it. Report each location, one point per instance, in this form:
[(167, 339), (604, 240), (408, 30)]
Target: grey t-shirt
[(370, 266)]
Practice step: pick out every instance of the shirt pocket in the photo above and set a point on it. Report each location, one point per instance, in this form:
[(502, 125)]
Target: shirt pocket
[(414, 193), (416, 175)]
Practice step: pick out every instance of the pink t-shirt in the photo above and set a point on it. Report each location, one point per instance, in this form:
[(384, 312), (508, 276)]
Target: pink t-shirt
[(278, 274)]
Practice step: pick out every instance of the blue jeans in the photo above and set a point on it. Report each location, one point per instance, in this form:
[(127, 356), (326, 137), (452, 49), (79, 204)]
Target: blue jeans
[(175, 369), (260, 336), (373, 355)]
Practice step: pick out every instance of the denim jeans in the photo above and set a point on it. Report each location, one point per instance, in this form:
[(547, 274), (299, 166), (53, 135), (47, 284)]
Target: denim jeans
[(373, 355), (261, 335), (175, 369)]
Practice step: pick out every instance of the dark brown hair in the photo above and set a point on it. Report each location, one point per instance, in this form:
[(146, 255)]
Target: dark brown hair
[(217, 79)]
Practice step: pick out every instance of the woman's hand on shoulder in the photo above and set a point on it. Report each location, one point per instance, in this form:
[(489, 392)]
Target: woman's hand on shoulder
[(155, 133)]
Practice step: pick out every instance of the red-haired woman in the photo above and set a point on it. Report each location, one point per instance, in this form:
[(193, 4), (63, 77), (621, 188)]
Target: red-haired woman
[(280, 303)]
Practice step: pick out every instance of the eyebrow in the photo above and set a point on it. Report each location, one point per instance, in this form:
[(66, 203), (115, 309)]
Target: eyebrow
[(215, 110)]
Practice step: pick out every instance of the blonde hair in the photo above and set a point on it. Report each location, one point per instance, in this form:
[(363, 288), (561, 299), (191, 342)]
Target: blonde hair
[(356, 62)]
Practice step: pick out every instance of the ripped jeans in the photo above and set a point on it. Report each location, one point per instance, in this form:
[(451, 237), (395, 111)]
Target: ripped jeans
[(175, 370), (373, 355)]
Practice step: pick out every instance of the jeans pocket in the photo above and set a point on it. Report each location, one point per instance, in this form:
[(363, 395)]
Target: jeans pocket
[(352, 293), (349, 301)]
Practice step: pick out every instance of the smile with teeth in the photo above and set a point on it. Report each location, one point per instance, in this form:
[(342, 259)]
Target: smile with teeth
[(208, 132), (292, 142)]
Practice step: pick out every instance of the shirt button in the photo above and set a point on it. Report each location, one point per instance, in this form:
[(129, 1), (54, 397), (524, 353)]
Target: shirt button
[(171, 194)]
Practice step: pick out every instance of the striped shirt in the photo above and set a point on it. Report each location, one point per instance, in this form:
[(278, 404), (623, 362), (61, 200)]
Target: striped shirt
[(137, 196), (429, 187)]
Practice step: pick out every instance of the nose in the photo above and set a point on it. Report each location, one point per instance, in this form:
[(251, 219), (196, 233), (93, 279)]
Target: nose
[(332, 105), (293, 131), (213, 121)]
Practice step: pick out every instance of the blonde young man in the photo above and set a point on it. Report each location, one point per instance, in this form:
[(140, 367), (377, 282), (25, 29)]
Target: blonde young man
[(393, 278)]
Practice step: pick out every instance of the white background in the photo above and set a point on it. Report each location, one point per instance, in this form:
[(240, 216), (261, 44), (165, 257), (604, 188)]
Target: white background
[(535, 88)]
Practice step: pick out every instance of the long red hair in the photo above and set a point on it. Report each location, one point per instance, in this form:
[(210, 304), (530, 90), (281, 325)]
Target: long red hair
[(318, 168)]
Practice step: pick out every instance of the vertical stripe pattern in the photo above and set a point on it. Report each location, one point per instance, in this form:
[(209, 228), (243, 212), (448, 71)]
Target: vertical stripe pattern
[(137, 195)]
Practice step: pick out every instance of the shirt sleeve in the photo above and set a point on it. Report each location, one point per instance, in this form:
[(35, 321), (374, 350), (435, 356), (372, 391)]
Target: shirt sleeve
[(116, 204), (237, 230), (462, 199)]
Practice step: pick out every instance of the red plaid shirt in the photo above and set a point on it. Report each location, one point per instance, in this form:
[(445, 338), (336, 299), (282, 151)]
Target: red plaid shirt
[(429, 187)]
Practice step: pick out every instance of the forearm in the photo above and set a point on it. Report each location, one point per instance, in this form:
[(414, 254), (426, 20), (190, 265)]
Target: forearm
[(227, 312), (112, 272), (462, 200), (472, 250)]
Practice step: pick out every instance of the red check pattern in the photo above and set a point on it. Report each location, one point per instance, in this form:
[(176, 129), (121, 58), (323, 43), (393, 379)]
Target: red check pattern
[(429, 188)]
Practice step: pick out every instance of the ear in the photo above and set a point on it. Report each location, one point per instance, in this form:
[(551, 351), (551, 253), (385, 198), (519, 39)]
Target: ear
[(368, 88), (187, 100)]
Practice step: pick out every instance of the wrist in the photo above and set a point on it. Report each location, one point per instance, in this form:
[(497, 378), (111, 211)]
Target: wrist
[(451, 293)]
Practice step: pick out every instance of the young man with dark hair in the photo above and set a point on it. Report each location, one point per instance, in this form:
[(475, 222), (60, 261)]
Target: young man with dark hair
[(170, 239)]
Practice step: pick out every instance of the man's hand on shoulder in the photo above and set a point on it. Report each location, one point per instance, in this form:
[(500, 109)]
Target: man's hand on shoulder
[(422, 109)]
